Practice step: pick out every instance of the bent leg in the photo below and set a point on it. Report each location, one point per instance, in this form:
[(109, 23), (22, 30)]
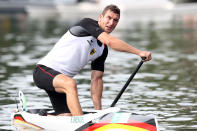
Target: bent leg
[(65, 84), (58, 101)]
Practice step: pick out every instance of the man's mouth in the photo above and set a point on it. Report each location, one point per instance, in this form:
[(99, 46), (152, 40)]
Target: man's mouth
[(109, 27)]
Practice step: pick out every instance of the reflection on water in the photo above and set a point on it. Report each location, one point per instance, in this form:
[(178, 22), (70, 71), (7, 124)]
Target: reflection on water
[(166, 86)]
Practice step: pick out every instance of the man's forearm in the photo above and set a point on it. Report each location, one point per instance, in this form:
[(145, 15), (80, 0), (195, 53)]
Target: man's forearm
[(120, 45), (117, 44), (96, 91)]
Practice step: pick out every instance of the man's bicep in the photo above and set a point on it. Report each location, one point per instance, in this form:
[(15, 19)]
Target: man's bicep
[(96, 74), (106, 38)]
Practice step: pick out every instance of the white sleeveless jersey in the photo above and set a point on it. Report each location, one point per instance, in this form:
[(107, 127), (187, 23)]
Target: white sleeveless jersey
[(76, 48)]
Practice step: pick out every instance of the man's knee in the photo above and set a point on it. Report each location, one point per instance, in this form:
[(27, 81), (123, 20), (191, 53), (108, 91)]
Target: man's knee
[(71, 86), (71, 83), (65, 84)]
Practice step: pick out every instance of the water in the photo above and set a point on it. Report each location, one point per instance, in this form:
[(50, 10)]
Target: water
[(165, 86)]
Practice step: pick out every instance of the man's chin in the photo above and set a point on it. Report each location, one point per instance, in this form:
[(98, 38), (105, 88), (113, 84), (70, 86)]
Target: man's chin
[(108, 31)]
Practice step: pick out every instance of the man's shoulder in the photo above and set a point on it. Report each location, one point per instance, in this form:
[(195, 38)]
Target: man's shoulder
[(87, 20), (82, 28), (86, 27)]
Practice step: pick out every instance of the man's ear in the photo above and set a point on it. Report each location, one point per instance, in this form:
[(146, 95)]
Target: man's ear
[(100, 17)]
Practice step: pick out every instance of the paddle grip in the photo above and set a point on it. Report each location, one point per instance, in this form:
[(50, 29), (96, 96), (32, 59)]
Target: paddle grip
[(143, 58)]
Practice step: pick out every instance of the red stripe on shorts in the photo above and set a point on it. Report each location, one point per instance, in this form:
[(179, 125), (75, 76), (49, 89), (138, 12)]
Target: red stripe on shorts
[(46, 71)]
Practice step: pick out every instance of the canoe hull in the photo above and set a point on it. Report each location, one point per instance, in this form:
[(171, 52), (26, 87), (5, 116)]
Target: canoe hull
[(90, 121)]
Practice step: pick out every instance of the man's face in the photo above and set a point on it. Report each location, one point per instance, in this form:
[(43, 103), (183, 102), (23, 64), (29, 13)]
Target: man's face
[(108, 21)]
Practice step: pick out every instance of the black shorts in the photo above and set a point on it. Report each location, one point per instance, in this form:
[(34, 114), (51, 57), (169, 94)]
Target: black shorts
[(43, 78)]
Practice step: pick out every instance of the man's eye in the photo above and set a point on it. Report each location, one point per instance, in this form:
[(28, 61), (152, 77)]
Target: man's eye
[(116, 20)]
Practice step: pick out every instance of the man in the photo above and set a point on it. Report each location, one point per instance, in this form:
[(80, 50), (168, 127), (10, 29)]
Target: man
[(85, 41)]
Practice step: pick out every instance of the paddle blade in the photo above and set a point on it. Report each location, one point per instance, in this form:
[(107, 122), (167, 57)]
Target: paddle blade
[(22, 100)]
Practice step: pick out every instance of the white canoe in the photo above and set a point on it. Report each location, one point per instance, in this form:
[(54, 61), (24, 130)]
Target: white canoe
[(104, 120)]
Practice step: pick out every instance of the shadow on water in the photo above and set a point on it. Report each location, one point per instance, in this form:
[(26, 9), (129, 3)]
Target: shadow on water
[(166, 86)]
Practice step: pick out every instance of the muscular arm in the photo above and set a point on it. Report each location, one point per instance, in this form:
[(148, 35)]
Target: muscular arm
[(120, 45), (96, 88)]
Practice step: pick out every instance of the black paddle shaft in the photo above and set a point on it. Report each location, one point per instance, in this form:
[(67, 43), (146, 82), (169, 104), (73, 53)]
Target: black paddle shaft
[(127, 83)]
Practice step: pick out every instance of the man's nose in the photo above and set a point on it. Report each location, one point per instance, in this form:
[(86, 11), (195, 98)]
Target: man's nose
[(111, 22)]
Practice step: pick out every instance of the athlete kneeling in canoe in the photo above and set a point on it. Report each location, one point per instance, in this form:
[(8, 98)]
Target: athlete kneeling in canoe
[(86, 41)]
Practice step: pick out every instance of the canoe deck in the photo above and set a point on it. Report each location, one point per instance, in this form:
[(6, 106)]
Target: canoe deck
[(91, 121)]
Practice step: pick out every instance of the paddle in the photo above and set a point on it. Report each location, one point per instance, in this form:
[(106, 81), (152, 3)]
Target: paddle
[(127, 83)]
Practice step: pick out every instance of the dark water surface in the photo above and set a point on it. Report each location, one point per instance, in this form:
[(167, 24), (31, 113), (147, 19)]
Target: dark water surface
[(165, 86)]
